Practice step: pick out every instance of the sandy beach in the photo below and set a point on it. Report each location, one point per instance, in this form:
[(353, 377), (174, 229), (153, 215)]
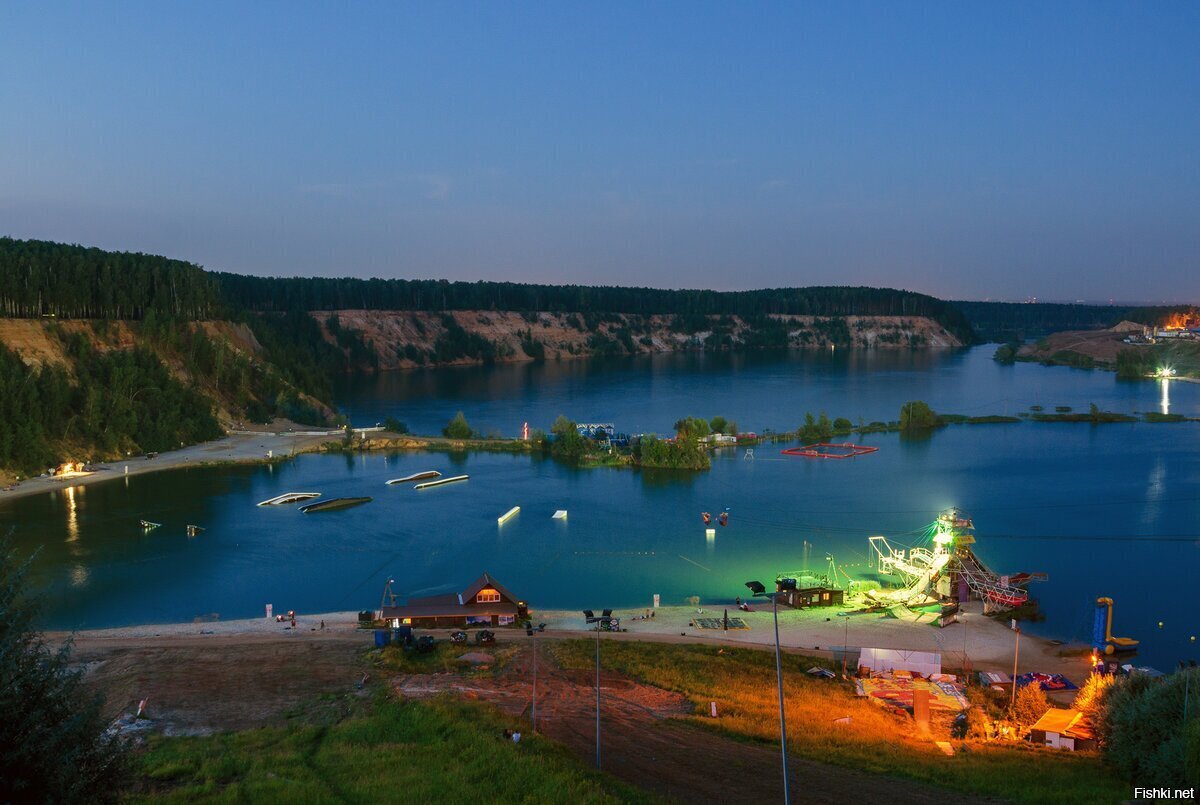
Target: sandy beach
[(988, 643), (239, 447)]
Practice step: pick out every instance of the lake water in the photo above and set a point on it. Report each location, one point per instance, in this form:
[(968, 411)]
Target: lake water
[(1105, 510)]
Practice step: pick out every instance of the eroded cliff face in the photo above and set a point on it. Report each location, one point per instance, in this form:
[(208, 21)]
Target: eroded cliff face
[(407, 339)]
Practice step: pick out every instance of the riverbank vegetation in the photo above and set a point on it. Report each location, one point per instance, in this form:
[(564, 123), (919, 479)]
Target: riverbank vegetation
[(742, 683)]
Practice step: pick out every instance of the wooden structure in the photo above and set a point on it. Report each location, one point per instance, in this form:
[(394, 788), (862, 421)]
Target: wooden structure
[(1064, 729), (801, 590), (485, 602)]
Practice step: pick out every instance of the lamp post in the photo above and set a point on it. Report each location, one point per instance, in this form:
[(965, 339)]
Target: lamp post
[(532, 632), (759, 591), (604, 619)]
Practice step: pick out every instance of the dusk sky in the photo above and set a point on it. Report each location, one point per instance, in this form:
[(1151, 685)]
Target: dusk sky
[(968, 150)]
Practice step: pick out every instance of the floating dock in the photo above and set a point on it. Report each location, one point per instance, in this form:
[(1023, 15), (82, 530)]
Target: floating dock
[(416, 476), (508, 515), (441, 481), (561, 514), (333, 504), (289, 497), (146, 524), (193, 530)]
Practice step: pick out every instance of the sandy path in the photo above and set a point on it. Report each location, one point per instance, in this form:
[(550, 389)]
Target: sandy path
[(817, 632), (242, 447)]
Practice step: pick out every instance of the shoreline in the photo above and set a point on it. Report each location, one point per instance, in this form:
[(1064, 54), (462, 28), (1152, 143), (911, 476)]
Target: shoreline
[(820, 632), (239, 447)]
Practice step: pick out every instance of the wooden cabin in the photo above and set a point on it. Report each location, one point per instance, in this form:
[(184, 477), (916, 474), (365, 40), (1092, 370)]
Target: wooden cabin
[(1064, 729), (486, 602), (804, 590)]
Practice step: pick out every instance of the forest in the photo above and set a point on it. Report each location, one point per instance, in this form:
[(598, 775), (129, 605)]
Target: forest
[(118, 401), (1001, 322), (43, 279)]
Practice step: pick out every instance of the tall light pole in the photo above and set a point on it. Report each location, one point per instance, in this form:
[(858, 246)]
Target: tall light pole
[(605, 618), (532, 632), (758, 590)]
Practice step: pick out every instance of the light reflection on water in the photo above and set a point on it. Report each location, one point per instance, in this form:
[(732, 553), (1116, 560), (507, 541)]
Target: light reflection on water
[(633, 534)]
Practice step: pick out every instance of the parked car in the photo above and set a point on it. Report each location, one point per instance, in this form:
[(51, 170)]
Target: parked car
[(458, 637), (484, 636), (425, 644)]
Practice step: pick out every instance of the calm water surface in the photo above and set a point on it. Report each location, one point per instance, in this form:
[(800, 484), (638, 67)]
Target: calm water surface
[(1107, 510)]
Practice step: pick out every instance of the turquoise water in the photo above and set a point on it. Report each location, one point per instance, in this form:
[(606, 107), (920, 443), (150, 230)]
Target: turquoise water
[(1105, 510)]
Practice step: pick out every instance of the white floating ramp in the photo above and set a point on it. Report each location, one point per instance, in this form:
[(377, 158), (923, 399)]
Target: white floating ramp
[(416, 476), (441, 481), (561, 514), (289, 497), (508, 515)]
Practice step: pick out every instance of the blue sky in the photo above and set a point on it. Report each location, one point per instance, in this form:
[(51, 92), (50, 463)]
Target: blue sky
[(969, 150)]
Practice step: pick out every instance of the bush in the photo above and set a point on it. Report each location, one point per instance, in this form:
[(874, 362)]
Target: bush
[(917, 415), (1145, 738), (568, 445), (1006, 353), (395, 425), (458, 428)]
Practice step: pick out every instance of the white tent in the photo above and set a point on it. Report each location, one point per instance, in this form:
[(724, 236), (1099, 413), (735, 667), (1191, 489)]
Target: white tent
[(891, 659)]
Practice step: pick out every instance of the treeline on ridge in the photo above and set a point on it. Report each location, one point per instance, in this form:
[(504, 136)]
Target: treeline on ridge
[(347, 293), (40, 278)]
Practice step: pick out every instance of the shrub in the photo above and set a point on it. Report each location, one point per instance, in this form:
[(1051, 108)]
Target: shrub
[(395, 425), (53, 746), (917, 415), (458, 428)]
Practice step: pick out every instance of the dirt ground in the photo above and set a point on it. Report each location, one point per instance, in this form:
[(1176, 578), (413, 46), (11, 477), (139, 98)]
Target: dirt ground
[(642, 744), (196, 684)]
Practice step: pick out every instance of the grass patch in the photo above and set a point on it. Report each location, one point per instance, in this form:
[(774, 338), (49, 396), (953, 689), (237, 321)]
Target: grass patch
[(441, 751), (742, 682), (443, 658)]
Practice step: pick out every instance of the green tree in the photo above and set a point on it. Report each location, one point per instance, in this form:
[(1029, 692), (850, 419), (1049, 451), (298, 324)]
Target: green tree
[(692, 427), (718, 424), (1031, 704), (1006, 353), (458, 428), (917, 415), (568, 445), (395, 425), (53, 746), (1145, 736)]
